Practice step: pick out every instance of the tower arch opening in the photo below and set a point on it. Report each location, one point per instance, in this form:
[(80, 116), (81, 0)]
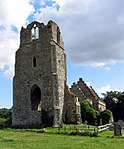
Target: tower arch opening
[(35, 32), (35, 98)]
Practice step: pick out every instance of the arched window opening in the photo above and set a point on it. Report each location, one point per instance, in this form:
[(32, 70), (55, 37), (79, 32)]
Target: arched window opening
[(34, 62), (34, 32), (37, 32), (35, 98)]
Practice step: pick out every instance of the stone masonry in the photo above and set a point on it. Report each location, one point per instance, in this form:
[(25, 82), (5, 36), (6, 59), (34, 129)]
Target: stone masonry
[(84, 92), (41, 96), (71, 112), (39, 83)]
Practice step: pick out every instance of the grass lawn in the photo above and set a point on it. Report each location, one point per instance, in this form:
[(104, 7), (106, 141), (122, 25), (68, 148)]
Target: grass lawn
[(29, 139)]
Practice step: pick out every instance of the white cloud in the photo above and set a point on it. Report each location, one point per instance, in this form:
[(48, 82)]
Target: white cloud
[(92, 30), (98, 64), (9, 72), (108, 68), (101, 66), (12, 13), (89, 84), (9, 43), (75, 5), (104, 89), (120, 20)]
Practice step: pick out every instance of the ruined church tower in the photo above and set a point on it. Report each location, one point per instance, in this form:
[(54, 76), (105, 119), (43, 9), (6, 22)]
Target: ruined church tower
[(40, 76)]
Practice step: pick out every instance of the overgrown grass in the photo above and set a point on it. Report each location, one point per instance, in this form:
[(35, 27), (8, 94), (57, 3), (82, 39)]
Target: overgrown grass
[(35, 139)]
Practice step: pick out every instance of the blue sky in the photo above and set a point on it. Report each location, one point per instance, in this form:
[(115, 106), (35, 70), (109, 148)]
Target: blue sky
[(93, 34)]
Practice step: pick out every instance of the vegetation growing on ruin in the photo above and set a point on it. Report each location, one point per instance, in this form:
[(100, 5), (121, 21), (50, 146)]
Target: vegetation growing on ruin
[(93, 116)]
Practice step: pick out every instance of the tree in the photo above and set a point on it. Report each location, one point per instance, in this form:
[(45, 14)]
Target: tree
[(105, 116), (6, 113), (115, 102), (6, 116), (88, 113)]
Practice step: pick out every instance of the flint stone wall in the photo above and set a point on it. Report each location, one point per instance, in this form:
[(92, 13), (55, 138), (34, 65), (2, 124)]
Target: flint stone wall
[(49, 75)]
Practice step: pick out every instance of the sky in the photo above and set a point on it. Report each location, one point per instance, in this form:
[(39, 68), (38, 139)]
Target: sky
[(93, 34)]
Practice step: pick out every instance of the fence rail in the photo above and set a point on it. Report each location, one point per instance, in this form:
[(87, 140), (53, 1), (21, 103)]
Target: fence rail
[(84, 128), (103, 127)]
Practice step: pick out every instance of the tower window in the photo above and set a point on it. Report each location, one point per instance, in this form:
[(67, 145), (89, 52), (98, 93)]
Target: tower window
[(58, 35), (34, 62), (34, 32)]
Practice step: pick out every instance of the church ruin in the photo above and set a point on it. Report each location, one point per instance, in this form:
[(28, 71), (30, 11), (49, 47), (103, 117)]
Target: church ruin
[(40, 93), (84, 92)]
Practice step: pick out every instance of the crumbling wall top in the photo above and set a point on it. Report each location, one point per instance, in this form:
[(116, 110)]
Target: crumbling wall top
[(42, 32), (38, 24)]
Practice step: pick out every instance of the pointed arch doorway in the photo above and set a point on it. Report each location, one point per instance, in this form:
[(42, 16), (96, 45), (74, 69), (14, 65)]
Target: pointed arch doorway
[(35, 98)]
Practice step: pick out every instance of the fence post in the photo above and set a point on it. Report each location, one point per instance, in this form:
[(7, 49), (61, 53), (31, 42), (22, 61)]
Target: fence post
[(88, 127), (76, 129), (97, 129), (58, 129), (65, 129)]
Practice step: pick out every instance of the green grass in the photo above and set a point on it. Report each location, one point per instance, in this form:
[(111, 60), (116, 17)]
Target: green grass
[(34, 139), (2, 120), (66, 129)]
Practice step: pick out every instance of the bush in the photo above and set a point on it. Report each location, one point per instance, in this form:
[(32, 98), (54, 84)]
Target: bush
[(85, 106), (91, 116), (6, 113), (5, 117), (88, 113), (106, 116)]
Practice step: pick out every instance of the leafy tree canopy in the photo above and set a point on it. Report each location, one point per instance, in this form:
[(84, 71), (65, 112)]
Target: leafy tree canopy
[(88, 113), (105, 116), (115, 102), (5, 113)]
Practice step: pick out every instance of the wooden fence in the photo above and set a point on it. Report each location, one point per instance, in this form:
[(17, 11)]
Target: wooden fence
[(84, 128), (103, 127), (75, 128)]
